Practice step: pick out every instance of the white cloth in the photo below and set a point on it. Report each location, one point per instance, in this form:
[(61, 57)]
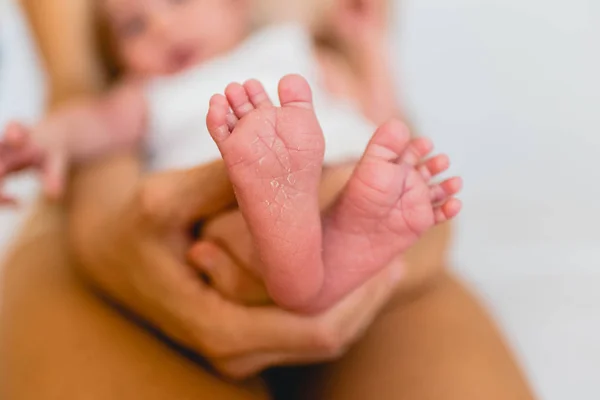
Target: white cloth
[(178, 137), (22, 97)]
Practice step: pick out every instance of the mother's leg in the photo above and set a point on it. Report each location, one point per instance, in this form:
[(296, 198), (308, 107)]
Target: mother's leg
[(58, 341), (438, 344), (432, 342)]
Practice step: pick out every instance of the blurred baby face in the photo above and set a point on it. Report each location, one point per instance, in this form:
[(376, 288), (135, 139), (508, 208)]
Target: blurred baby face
[(163, 37)]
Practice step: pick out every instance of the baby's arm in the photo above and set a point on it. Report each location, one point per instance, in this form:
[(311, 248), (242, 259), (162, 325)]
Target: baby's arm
[(80, 131)]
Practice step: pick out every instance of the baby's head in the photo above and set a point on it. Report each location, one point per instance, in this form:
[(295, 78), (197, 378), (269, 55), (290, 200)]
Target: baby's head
[(164, 37)]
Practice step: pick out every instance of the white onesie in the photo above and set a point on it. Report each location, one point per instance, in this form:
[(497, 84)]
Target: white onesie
[(178, 137)]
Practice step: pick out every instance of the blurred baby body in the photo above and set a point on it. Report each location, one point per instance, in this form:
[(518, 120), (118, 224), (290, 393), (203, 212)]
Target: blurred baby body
[(174, 55)]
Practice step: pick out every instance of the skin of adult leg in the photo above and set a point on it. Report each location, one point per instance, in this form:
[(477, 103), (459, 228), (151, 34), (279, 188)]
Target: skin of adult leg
[(438, 344), (59, 341)]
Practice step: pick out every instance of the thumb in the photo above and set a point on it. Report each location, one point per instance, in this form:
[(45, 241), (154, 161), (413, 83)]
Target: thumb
[(184, 197)]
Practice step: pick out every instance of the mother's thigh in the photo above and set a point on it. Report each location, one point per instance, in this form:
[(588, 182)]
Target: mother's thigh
[(438, 345), (57, 341)]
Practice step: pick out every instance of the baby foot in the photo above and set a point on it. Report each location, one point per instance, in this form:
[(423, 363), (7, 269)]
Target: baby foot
[(274, 156), (386, 206)]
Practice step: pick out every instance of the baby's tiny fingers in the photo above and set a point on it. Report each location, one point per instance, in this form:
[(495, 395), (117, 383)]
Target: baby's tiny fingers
[(447, 211), (15, 135), (434, 166), (416, 150), (441, 192)]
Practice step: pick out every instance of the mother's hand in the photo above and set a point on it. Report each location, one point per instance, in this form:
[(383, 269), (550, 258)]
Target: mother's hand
[(135, 252)]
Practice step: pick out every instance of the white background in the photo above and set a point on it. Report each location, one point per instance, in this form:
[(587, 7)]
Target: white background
[(510, 89)]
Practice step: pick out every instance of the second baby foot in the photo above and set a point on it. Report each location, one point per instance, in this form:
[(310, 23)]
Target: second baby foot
[(274, 156), (387, 205)]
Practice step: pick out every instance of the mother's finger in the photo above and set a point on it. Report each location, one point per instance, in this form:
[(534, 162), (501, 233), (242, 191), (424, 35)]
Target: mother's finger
[(228, 275), (270, 329), (230, 231)]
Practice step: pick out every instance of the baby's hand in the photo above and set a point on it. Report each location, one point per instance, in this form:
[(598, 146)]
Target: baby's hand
[(19, 150)]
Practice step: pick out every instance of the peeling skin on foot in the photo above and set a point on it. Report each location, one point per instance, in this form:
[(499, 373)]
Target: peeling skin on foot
[(269, 206), (282, 196), (282, 200), (281, 203), (282, 154), (291, 180)]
